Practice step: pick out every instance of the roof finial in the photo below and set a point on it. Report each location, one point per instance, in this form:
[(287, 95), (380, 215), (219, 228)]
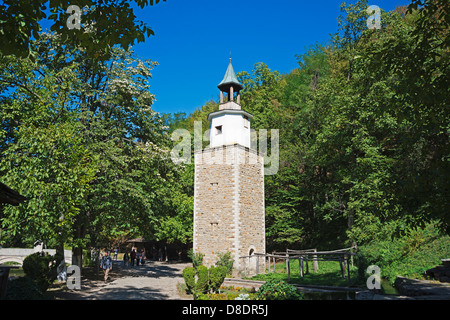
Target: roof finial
[(230, 55)]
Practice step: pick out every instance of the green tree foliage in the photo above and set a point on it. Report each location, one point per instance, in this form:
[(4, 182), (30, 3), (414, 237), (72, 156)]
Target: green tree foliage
[(104, 24), (364, 128), (367, 153), (42, 153), (414, 252), (81, 141), (261, 94)]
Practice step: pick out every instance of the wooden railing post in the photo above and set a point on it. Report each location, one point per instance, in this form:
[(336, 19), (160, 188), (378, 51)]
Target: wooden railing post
[(348, 270), (316, 263), (342, 268), (307, 264), (300, 262), (288, 267)]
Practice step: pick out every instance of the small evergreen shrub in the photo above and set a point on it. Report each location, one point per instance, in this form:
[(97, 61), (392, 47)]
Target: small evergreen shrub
[(197, 258), (189, 278), (278, 290), (216, 277), (41, 268), (225, 260), (201, 280), (202, 285)]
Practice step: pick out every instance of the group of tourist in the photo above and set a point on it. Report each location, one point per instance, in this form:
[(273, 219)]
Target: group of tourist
[(134, 258)]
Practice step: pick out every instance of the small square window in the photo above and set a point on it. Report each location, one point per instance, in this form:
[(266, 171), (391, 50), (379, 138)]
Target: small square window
[(218, 130), (214, 186), (245, 122)]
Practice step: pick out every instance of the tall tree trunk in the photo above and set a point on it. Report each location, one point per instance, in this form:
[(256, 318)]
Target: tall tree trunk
[(77, 256), (79, 234), (59, 255)]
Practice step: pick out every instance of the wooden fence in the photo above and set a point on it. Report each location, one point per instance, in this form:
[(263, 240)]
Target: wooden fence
[(343, 256)]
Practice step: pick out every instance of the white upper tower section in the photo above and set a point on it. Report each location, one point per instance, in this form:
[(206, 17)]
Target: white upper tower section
[(231, 124)]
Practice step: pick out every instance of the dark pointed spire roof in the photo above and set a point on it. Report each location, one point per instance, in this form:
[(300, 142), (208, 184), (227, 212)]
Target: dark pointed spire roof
[(229, 80)]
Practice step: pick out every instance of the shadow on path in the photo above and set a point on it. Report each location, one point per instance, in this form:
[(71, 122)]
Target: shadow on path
[(151, 281), (149, 269)]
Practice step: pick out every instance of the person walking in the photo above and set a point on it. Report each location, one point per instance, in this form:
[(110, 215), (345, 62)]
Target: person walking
[(106, 265), (126, 257), (142, 257), (133, 257)]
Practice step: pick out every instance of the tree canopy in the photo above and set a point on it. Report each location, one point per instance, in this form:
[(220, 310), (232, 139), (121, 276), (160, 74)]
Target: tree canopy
[(81, 141), (104, 24), (364, 128)]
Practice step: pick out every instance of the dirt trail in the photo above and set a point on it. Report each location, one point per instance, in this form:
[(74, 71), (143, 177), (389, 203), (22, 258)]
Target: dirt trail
[(151, 281)]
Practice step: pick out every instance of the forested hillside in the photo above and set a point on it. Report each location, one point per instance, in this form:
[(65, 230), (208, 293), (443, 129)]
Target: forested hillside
[(363, 123)]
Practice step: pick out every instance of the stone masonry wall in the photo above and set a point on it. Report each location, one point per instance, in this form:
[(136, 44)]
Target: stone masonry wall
[(229, 203)]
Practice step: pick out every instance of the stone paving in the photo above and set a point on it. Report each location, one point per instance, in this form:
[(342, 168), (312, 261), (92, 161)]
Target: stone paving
[(151, 281)]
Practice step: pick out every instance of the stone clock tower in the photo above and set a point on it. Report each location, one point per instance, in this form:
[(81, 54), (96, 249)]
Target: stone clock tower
[(229, 185)]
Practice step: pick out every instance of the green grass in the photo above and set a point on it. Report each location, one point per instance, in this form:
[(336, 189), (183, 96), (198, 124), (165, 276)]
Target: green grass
[(328, 274)]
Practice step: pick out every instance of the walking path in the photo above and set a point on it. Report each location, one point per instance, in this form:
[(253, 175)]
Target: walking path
[(151, 281)]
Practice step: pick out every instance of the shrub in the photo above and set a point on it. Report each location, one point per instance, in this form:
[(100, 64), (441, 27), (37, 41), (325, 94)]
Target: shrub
[(41, 268), (226, 261), (216, 277), (197, 258), (189, 278), (207, 280), (278, 290), (202, 284)]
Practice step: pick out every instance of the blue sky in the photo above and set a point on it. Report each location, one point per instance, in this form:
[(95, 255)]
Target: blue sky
[(193, 40)]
